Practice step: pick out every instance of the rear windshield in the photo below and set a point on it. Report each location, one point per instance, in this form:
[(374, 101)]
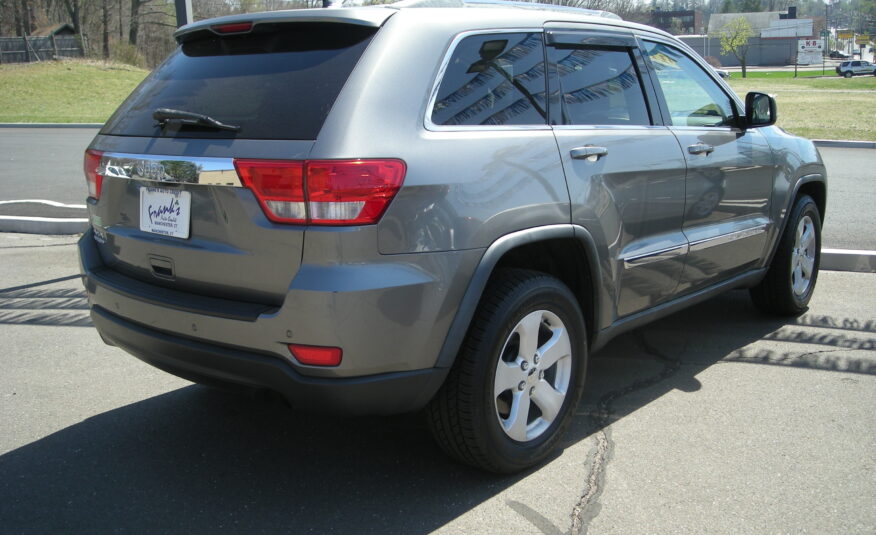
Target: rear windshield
[(277, 82)]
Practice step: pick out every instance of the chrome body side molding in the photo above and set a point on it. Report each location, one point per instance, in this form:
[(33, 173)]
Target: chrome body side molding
[(699, 245)]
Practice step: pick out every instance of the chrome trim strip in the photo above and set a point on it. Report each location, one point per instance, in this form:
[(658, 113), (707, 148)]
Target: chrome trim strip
[(723, 239), (433, 95), (170, 169), (727, 129), (608, 127), (641, 259)]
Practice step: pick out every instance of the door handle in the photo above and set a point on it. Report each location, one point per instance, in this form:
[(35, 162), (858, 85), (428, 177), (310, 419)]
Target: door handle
[(701, 148), (588, 152)]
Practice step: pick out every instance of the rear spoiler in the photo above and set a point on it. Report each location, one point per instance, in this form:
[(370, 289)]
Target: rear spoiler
[(373, 17)]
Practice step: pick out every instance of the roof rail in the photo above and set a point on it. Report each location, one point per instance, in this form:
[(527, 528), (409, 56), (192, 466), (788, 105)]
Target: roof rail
[(504, 3)]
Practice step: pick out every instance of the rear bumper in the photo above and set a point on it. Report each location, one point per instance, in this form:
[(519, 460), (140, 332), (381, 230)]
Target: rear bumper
[(390, 317), (195, 360)]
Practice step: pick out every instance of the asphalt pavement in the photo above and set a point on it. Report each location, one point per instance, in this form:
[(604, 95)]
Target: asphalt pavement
[(43, 163), (714, 420)]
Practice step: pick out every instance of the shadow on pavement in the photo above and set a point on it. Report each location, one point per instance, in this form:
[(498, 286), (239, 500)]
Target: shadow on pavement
[(199, 460)]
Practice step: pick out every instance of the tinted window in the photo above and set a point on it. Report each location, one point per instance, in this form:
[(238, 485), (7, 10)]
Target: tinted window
[(692, 97), (277, 83), (493, 79), (599, 87)]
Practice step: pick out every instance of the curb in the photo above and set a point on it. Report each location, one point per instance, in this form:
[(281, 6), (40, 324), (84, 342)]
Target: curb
[(844, 144), (43, 225), (848, 260), (51, 125)]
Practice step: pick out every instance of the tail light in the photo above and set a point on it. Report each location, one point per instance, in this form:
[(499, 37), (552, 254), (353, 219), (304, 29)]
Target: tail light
[(323, 192), (91, 166), (279, 187)]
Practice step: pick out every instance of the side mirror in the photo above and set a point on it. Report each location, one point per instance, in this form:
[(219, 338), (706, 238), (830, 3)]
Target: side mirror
[(760, 110)]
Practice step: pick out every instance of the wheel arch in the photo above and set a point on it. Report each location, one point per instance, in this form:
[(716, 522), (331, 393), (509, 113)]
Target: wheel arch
[(816, 188), (567, 252), (813, 185)]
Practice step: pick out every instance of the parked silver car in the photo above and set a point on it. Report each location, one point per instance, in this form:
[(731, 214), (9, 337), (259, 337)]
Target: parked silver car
[(386, 209), (847, 69)]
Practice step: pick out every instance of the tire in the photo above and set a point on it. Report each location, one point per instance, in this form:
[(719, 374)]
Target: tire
[(473, 415), (790, 280), (847, 74)]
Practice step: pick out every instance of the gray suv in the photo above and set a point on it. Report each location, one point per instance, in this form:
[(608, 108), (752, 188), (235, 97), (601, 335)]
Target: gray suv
[(387, 209), (847, 69)]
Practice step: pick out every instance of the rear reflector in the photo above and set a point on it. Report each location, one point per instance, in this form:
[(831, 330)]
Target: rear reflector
[(323, 192), (91, 166), (234, 27), (316, 355)]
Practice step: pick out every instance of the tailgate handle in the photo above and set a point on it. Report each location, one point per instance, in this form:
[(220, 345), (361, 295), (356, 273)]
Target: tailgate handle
[(161, 267), (588, 152)]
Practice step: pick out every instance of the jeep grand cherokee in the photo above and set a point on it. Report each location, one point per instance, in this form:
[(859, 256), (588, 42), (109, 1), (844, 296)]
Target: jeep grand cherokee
[(385, 209)]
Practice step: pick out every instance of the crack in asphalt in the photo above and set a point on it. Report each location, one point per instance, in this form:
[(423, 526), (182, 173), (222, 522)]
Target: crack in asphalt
[(587, 507), (588, 501)]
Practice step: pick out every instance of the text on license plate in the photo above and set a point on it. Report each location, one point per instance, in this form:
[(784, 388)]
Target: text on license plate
[(165, 211)]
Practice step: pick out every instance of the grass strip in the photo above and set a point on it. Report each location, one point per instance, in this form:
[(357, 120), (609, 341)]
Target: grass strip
[(70, 91), (820, 108)]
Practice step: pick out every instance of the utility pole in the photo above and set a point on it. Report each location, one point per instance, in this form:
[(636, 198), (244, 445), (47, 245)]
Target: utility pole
[(183, 12)]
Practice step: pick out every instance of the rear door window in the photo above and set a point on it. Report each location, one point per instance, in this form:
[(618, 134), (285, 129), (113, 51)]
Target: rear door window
[(493, 79), (600, 86), (277, 82)]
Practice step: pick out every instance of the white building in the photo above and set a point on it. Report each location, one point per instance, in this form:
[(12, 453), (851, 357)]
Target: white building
[(766, 24)]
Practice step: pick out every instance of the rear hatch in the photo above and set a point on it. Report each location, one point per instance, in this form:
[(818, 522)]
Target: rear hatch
[(172, 211)]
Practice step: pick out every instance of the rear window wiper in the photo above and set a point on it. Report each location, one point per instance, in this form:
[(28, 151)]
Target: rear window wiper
[(167, 115)]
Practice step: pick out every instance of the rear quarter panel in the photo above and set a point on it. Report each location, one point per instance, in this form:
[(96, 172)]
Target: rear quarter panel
[(463, 189)]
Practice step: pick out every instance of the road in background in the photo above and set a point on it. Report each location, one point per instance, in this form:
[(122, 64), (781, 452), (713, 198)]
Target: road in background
[(714, 420), (850, 222), (46, 163), (43, 163)]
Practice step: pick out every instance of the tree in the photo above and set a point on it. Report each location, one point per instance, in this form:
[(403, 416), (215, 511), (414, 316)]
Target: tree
[(105, 29), (734, 39), (74, 9)]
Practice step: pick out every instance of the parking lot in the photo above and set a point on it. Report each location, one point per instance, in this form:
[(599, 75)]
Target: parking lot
[(714, 420)]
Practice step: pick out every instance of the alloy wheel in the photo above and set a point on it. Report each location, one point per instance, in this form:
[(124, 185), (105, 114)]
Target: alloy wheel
[(533, 374), (803, 256)]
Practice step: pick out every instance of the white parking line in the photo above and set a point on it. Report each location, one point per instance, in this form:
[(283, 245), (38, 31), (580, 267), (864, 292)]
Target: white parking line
[(46, 202)]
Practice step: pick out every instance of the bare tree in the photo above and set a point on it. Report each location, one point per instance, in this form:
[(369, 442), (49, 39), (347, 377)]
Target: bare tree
[(105, 30), (74, 10)]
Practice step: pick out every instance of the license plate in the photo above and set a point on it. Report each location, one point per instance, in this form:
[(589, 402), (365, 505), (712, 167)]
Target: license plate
[(165, 211)]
